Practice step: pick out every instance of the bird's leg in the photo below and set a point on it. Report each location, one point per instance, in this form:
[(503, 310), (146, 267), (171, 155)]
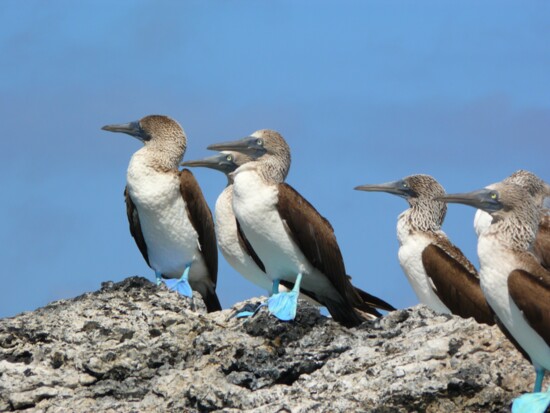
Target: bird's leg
[(250, 309), (275, 288), (283, 305), (181, 285), (158, 276), (536, 402), (539, 378)]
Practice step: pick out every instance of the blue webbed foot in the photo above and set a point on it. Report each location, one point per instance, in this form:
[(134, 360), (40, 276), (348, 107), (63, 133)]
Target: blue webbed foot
[(158, 277), (248, 310), (284, 305), (181, 285), (531, 403)]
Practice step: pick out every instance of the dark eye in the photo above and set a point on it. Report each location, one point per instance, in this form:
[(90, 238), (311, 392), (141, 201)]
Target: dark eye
[(259, 142), (229, 158)]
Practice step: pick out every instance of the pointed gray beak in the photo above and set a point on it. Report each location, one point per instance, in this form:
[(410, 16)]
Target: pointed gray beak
[(131, 128), (399, 188), (250, 146), (221, 162), (485, 199)]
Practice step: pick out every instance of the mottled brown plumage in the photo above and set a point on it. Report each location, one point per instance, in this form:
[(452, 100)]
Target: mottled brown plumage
[(307, 229), (316, 239), (452, 277), (515, 285), (201, 219), (154, 170), (456, 282), (541, 247), (531, 293)]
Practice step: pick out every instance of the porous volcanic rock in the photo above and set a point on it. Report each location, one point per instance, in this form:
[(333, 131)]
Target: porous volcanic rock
[(135, 347)]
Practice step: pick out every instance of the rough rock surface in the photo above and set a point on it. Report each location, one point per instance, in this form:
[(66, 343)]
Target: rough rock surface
[(133, 347)]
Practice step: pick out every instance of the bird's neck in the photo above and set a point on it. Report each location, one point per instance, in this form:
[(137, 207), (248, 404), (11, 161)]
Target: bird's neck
[(513, 233), (425, 216), (270, 170), (161, 157)]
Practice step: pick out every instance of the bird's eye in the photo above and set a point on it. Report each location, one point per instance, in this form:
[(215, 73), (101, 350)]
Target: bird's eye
[(259, 142), (405, 185), (493, 195), (229, 158)]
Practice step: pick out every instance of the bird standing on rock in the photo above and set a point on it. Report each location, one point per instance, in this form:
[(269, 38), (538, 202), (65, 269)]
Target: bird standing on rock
[(515, 285), (233, 245), (440, 274), (168, 215), (293, 241)]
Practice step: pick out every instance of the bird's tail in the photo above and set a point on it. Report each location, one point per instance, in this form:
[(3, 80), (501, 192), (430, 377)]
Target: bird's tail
[(372, 301), (211, 301)]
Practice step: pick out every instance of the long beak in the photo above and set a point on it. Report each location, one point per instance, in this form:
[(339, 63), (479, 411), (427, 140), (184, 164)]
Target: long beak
[(395, 187), (130, 128), (248, 146), (218, 162), (485, 199)]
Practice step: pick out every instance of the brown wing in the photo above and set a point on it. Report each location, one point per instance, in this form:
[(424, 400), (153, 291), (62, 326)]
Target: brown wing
[(542, 242), (531, 293), (315, 237), (455, 286), (201, 219), (247, 247), (135, 227)]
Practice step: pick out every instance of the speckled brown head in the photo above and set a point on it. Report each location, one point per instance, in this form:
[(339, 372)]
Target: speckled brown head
[(267, 149), (531, 182), (163, 137), (420, 192), (516, 213)]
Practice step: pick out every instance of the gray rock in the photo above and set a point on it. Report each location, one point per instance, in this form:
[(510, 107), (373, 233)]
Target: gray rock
[(134, 347)]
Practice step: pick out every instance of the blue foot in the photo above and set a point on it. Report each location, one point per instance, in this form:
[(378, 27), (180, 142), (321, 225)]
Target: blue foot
[(531, 403), (248, 310), (182, 284), (158, 277), (284, 305)]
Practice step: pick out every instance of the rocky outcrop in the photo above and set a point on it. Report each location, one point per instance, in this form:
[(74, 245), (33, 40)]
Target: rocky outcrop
[(133, 347)]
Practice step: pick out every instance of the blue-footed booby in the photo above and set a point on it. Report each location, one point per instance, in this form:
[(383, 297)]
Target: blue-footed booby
[(441, 276), (537, 188), (231, 241), (515, 285), (168, 215), (293, 241)]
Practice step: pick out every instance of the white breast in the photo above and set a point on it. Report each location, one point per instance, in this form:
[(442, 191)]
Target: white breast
[(172, 242), (482, 220), (496, 265), (255, 206), (228, 242), (412, 244)]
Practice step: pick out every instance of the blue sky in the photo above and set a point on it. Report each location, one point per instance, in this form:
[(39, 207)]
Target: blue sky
[(364, 92)]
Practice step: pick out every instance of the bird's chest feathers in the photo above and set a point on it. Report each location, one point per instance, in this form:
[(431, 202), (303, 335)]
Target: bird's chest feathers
[(412, 243), (149, 188), (255, 206), (496, 264), (411, 246), (255, 202), (226, 225), (170, 237)]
